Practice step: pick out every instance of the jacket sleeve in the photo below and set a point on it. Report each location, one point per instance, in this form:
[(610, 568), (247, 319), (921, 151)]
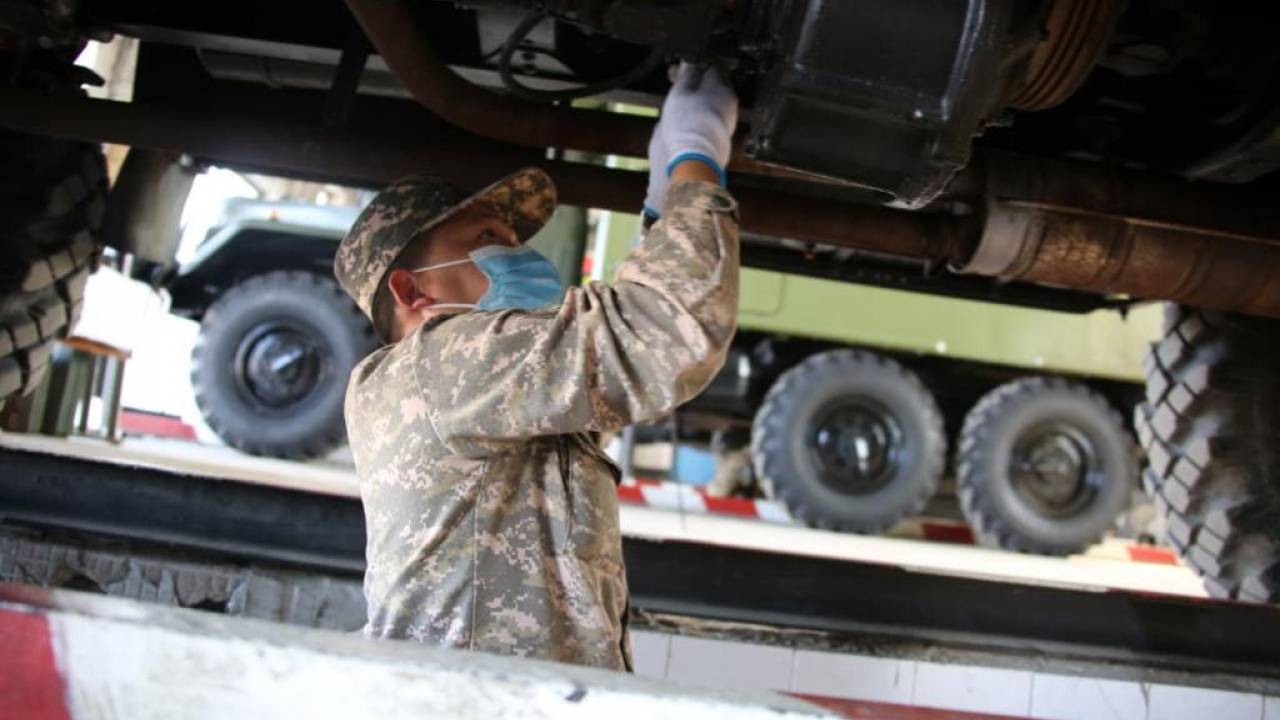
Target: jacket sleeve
[(609, 355)]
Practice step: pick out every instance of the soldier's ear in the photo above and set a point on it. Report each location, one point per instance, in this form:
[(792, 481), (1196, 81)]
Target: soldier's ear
[(404, 289)]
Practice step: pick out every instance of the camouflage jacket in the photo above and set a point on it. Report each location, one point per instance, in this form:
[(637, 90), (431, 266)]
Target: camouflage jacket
[(492, 518)]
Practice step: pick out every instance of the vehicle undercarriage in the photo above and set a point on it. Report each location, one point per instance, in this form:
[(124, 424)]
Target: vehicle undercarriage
[(1071, 154)]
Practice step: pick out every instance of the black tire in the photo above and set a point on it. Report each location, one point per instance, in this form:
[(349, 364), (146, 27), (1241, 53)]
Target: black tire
[(1211, 430), (1045, 466), (800, 442), (52, 199), (311, 331)]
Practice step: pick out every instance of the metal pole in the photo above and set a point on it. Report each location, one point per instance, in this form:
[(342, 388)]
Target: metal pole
[(372, 161)]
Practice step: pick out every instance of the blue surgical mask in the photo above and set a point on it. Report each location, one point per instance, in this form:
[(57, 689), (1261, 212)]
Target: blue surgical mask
[(520, 278)]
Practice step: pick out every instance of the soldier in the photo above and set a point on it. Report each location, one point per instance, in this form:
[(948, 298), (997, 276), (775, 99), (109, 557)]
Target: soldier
[(492, 518)]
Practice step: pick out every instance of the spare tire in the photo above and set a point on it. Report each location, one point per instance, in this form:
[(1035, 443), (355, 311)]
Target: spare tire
[(849, 440), (1045, 465), (271, 363), (1211, 430), (52, 199)]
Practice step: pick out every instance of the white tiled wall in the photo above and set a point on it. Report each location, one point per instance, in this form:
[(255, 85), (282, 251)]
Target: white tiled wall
[(1013, 693), (1168, 701), (1064, 696), (865, 678), (737, 666), (650, 650), (974, 689)]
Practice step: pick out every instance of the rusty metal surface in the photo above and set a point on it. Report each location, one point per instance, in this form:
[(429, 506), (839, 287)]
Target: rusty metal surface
[(1056, 246), (1105, 231), (1246, 213), (1076, 33), (902, 233)]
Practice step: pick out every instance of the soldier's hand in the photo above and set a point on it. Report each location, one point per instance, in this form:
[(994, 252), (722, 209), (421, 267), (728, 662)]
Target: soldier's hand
[(697, 123)]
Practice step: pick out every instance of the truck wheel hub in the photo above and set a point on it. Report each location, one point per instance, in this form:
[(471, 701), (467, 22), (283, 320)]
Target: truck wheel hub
[(278, 365), (1055, 468), (856, 446)]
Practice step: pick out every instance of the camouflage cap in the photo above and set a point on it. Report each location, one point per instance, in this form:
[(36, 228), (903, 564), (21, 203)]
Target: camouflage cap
[(413, 205)]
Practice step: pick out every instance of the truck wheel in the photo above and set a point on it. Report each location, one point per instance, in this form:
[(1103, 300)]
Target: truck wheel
[(849, 440), (52, 198), (1211, 429), (270, 365), (1045, 466)]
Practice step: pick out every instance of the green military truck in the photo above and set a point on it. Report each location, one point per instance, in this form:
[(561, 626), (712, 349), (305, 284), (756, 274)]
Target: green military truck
[(852, 417), (855, 401)]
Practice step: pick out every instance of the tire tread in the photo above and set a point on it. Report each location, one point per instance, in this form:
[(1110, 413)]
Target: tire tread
[(59, 239), (976, 503), (769, 435), (232, 430), (1210, 428)]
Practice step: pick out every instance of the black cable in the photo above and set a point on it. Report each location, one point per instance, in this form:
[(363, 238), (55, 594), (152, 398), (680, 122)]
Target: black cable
[(520, 90), (548, 52)]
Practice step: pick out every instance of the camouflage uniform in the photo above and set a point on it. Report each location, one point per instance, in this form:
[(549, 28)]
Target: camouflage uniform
[(492, 518)]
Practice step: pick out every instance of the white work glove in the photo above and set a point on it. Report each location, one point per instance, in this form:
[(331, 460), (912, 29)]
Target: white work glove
[(697, 123), (656, 193)]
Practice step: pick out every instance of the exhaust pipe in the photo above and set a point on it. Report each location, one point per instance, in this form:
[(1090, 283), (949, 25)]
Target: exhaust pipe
[(1117, 232)]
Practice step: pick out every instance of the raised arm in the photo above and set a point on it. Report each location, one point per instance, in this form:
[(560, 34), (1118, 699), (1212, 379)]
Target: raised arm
[(609, 355)]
